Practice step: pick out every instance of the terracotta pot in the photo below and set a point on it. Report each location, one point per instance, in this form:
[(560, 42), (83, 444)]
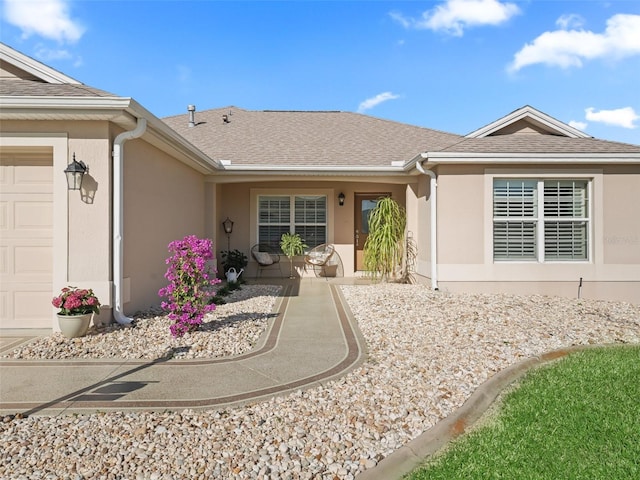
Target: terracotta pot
[(73, 326)]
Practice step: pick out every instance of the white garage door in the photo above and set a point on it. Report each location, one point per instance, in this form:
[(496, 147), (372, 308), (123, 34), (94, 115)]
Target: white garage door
[(26, 241)]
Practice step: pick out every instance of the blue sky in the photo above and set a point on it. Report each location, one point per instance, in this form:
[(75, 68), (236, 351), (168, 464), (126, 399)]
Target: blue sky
[(452, 65)]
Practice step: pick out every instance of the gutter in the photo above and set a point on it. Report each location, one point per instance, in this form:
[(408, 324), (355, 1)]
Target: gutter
[(434, 224), (118, 218)]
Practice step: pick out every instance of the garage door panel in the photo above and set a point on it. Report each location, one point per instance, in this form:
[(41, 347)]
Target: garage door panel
[(33, 261), (26, 242), (4, 261), (32, 305), (4, 216), (33, 215)]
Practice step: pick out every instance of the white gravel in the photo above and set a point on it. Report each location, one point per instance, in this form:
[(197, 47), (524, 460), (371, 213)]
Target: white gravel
[(232, 328), (427, 353)]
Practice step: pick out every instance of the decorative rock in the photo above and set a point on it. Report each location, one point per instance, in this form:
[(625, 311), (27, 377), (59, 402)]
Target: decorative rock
[(428, 351)]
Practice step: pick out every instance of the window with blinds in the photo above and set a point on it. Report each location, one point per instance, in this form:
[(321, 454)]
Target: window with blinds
[(540, 220), (305, 215)]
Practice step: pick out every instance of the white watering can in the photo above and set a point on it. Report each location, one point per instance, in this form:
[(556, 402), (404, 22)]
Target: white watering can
[(232, 275)]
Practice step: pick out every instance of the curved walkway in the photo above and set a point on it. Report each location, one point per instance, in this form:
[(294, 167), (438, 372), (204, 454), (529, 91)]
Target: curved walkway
[(312, 339)]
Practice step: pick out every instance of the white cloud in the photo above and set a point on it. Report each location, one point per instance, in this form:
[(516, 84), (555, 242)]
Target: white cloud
[(569, 48), (46, 54), (620, 117), (453, 16), (571, 20), (47, 18), (369, 103), (579, 125)]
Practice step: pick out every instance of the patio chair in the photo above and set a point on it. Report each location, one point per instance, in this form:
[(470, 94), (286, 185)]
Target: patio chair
[(265, 257), (324, 260)]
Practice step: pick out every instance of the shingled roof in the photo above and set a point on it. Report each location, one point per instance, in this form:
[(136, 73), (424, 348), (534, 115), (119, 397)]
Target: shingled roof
[(14, 87), (540, 144), (303, 138)]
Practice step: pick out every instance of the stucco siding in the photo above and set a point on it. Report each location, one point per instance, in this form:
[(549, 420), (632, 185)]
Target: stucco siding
[(465, 235), (621, 216), (164, 200), (461, 203)]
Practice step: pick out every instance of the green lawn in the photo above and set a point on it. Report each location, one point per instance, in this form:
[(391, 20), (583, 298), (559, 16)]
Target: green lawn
[(578, 418)]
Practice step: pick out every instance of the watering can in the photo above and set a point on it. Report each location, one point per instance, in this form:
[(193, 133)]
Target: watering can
[(232, 275)]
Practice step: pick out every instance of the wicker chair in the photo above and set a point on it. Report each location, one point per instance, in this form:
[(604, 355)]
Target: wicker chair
[(265, 257), (324, 260)]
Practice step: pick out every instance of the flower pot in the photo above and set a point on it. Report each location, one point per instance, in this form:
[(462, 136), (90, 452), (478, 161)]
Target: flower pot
[(73, 326)]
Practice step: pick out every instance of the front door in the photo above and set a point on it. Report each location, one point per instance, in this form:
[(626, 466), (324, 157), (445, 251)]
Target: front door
[(364, 204)]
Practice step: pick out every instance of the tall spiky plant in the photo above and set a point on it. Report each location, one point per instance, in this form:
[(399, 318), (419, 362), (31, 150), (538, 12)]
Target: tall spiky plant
[(384, 248), (291, 245)]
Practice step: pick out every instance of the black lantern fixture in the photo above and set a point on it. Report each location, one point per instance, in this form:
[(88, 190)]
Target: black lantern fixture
[(227, 225), (341, 199), (75, 172)]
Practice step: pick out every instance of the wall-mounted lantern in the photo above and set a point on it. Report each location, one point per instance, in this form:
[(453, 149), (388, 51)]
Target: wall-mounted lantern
[(75, 172), (341, 199), (227, 225)]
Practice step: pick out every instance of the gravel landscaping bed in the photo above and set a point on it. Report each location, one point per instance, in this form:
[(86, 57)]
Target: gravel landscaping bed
[(428, 351), (232, 328)]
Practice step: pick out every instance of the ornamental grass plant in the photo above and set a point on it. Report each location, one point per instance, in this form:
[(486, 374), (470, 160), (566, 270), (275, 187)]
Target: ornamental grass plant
[(384, 248)]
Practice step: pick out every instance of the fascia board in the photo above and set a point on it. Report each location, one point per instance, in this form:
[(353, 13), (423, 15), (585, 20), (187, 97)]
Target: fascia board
[(310, 170), (33, 67), (529, 158), (63, 103), (231, 177)]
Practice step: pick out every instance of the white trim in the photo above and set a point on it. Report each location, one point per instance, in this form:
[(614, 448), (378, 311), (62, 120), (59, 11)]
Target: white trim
[(60, 156), (437, 158), (595, 220), (255, 193), (536, 117), (33, 67)]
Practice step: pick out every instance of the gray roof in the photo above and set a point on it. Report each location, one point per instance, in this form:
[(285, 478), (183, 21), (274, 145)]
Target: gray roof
[(542, 144), (14, 87), (302, 138)]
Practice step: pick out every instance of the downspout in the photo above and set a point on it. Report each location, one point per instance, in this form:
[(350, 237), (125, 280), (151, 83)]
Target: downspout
[(118, 218), (434, 209)]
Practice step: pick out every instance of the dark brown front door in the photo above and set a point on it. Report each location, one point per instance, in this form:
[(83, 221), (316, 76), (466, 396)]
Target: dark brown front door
[(364, 204)]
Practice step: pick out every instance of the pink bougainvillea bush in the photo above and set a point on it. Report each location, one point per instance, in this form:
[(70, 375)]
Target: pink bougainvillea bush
[(188, 293), (76, 301)]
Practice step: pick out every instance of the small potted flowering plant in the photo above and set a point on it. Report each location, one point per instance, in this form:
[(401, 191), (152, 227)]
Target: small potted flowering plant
[(77, 306)]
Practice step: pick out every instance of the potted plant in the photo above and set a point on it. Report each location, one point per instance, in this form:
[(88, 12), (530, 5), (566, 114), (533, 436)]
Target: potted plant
[(77, 307), (291, 245), (384, 248), (233, 259)]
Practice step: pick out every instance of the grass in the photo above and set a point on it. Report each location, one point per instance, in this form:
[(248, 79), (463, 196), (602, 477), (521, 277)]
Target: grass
[(578, 418)]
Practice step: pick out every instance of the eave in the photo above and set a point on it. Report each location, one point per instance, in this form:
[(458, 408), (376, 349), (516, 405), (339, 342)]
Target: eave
[(451, 158), (122, 111)]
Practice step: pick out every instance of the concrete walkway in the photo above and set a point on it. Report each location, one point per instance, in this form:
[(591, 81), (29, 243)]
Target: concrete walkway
[(312, 339)]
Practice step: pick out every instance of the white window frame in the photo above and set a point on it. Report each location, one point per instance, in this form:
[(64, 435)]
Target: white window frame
[(593, 179), (292, 195)]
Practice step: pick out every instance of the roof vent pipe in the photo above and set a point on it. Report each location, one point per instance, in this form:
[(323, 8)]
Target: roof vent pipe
[(434, 221), (192, 115)]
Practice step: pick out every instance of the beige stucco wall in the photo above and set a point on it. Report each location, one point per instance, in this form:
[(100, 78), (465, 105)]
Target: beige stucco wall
[(238, 201), (621, 231), (164, 200), (465, 258), (81, 238)]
